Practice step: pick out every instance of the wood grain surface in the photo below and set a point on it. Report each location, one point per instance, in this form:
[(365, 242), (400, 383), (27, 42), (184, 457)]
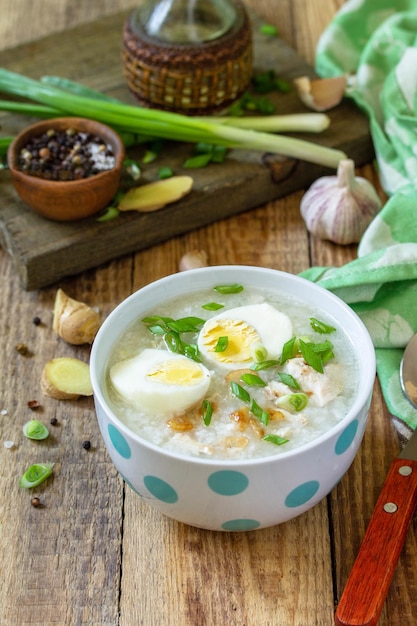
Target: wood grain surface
[(94, 553)]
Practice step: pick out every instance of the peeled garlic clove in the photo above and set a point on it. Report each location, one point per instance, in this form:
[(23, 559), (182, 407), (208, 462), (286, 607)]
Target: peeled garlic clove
[(321, 94), (193, 259), (340, 208), (75, 322)]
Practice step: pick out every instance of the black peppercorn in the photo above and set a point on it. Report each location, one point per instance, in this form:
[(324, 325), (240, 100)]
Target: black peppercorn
[(36, 320), (53, 421), (70, 155), (86, 445)]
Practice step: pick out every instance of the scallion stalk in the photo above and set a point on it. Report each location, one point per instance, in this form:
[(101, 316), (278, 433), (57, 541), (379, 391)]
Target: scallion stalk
[(24, 108), (77, 89), (4, 144), (297, 122), (165, 124)]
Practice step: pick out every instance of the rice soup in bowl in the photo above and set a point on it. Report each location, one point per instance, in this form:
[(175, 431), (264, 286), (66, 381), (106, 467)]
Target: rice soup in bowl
[(233, 408)]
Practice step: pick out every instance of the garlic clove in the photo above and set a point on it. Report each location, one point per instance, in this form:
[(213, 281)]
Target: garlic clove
[(340, 208), (321, 94), (192, 260), (75, 322)]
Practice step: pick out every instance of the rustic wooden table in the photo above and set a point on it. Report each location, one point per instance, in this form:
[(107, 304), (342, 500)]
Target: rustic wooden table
[(94, 553)]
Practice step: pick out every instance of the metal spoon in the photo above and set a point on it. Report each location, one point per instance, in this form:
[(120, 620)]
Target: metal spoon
[(368, 583)]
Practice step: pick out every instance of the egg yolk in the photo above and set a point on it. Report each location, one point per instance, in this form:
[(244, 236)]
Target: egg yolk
[(176, 372), (240, 337)]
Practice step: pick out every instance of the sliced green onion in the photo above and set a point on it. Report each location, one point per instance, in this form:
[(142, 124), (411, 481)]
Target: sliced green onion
[(293, 402), (110, 213), (259, 413), (225, 289), (164, 124), (35, 475), (253, 380), (325, 350), (165, 172), (198, 161), (264, 365), (153, 151), (288, 350), (206, 153), (311, 357), (321, 327), (34, 429), (132, 167), (153, 320), (258, 352), (276, 439), (186, 324), (218, 154), (212, 306), (240, 392), (269, 29), (221, 344), (171, 331), (207, 412), (264, 82), (191, 351), (288, 380)]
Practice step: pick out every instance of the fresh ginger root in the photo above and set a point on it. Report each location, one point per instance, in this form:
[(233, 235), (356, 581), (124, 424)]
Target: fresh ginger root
[(75, 322), (66, 378), (156, 195)]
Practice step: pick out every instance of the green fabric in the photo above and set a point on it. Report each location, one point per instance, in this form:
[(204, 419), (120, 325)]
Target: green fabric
[(375, 42)]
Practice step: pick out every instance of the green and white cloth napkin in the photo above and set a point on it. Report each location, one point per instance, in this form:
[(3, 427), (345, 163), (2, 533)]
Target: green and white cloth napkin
[(375, 42)]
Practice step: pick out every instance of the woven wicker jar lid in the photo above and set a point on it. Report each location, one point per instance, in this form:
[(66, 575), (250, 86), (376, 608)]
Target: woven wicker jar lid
[(193, 78)]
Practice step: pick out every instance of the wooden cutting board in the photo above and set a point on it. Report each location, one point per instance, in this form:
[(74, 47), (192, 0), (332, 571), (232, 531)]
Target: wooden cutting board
[(43, 251)]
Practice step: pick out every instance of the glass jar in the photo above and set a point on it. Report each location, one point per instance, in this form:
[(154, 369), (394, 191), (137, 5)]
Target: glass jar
[(188, 56), (185, 21)]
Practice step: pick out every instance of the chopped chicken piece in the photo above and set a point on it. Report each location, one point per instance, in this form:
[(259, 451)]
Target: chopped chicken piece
[(276, 389), (321, 388)]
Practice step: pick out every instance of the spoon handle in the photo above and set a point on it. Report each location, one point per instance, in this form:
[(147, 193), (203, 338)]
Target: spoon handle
[(368, 583)]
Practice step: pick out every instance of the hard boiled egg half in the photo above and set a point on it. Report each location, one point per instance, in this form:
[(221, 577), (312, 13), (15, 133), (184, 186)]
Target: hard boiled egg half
[(246, 329), (160, 382)]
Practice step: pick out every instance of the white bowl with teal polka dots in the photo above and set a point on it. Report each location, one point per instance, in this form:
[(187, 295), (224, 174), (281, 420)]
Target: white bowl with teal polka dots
[(232, 495)]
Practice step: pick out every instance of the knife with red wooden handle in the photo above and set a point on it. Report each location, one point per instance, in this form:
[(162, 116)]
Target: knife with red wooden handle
[(368, 583)]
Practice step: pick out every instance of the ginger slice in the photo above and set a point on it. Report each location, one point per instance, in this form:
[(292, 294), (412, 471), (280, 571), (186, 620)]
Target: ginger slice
[(75, 322), (66, 378), (156, 195)]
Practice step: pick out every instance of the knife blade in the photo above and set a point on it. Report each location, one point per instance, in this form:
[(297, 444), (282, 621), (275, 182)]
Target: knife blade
[(366, 589)]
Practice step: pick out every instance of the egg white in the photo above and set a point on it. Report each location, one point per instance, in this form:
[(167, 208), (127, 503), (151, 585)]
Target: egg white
[(160, 382), (245, 327)]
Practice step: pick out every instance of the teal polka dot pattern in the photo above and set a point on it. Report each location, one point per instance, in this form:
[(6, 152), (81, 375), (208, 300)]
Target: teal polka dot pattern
[(119, 442), (302, 494), (131, 486), (241, 524), (346, 438), (160, 489), (228, 482)]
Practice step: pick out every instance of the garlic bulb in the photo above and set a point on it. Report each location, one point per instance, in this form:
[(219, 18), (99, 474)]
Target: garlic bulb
[(340, 208)]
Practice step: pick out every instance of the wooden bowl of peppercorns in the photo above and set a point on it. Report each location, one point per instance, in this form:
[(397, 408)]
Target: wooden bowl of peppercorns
[(66, 168)]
